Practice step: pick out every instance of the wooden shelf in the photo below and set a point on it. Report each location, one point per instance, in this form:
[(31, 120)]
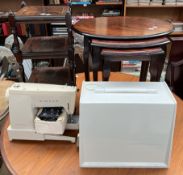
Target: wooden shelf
[(96, 9), (98, 4), (154, 6), (108, 3), (164, 12), (176, 33)]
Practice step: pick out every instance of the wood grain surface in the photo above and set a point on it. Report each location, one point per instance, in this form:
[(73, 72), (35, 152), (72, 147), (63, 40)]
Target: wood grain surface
[(33, 14), (123, 44), (57, 157), (42, 10), (123, 27), (4, 84), (46, 45)]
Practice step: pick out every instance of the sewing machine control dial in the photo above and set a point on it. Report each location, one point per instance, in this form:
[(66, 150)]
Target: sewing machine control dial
[(16, 86)]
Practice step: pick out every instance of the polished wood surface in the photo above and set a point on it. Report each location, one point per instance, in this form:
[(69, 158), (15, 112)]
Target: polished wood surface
[(151, 58), (53, 75), (38, 13), (4, 84), (130, 44), (123, 27), (57, 157), (132, 53), (15, 5), (45, 46)]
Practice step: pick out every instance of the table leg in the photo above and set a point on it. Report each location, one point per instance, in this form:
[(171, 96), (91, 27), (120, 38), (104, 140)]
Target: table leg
[(144, 70), (86, 57), (106, 70), (95, 62), (156, 67), (72, 64)]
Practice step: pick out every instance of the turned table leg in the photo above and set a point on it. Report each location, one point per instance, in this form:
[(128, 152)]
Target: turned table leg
[(86, 58), (106, 70), (156, 67), (95, 62), (144, 70)]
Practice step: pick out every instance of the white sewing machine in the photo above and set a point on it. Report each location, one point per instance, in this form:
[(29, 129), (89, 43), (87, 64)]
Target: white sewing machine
[(25, 102)]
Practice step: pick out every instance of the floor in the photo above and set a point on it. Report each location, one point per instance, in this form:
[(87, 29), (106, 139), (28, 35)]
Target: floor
[(4, 170)]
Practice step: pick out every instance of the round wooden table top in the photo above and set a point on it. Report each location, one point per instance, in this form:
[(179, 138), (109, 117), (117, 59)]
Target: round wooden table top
[(4, 84), (123, 27), (58, 157)]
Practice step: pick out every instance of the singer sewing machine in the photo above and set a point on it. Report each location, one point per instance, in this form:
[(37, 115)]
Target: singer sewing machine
[(41, 111)]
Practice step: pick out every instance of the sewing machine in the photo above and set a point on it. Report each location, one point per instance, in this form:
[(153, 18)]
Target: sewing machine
[(27, 101)]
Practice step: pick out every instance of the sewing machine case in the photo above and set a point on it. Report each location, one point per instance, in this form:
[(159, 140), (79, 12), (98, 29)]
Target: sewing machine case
[(126, 124)]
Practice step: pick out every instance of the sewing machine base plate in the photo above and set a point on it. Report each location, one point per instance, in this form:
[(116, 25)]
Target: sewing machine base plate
[(25, 134)]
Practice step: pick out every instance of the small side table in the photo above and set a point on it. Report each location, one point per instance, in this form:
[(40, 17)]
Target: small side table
[(121, 29)]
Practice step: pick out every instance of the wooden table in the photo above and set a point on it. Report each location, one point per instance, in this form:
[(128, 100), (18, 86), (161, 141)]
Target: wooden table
[(4, 84), (57, 157), (121, 29), (41, 13)]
